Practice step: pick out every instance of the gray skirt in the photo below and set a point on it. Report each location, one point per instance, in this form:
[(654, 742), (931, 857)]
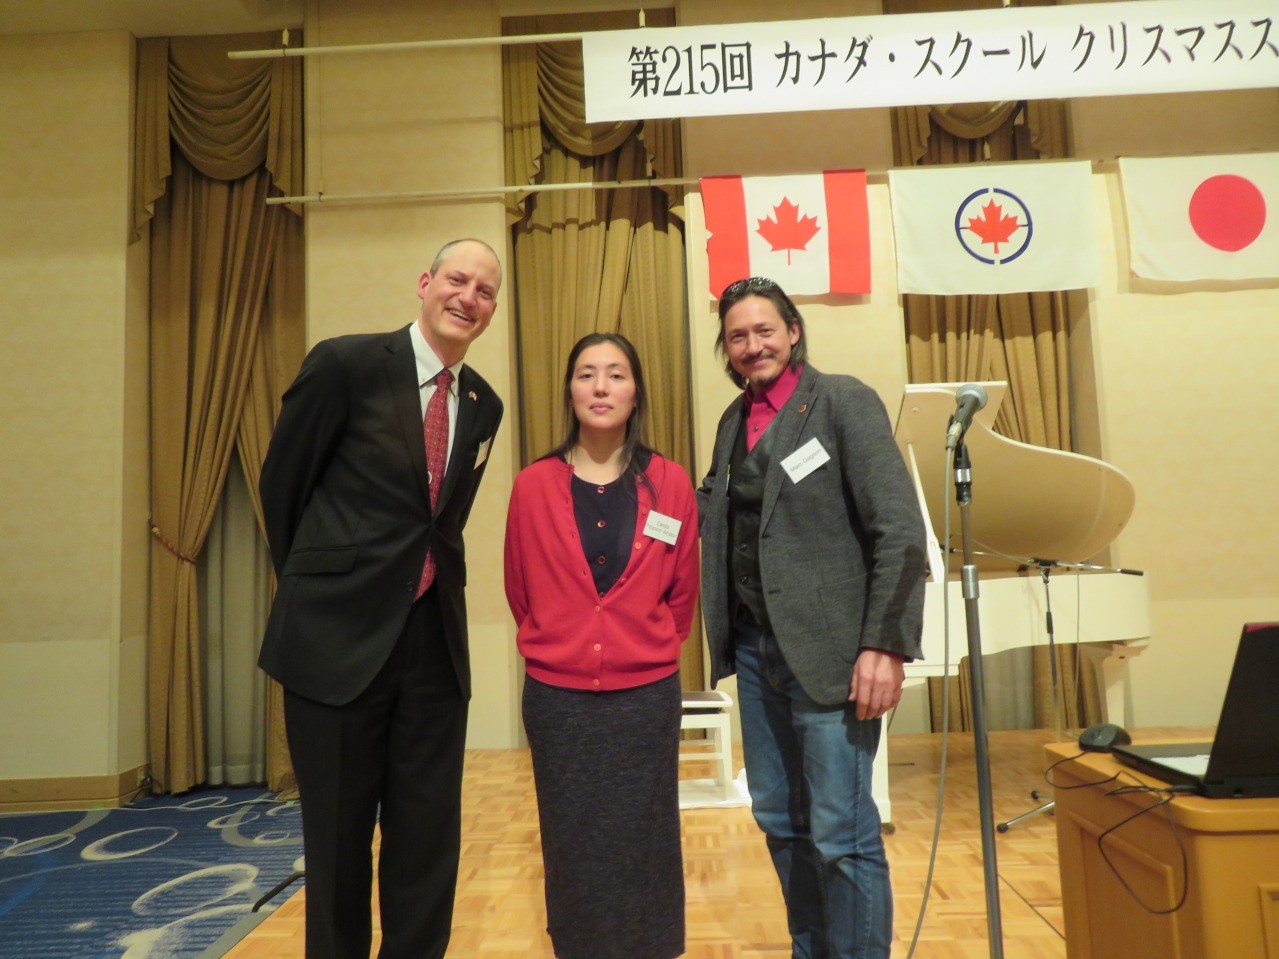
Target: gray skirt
[(606, 768)]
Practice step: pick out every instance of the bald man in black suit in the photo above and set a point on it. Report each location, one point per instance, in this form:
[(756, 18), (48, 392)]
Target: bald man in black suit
[(368, 630)]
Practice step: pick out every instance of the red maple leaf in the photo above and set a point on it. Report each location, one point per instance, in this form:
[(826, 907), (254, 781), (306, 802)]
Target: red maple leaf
[(993, 226), (785, 230)]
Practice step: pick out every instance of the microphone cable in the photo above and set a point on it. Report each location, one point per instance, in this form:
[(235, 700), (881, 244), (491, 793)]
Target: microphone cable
[(945, 707), (1166, 795)]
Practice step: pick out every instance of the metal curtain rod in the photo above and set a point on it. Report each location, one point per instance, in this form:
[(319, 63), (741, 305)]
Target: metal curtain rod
[(479, 191), (286, 51)]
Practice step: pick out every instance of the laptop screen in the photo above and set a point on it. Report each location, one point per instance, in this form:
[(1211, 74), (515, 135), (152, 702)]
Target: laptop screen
[(1247, 740), (1243, 758)]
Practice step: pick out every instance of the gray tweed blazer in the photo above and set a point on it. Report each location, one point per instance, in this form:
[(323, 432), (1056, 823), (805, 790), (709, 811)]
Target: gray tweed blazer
[(842, 557)]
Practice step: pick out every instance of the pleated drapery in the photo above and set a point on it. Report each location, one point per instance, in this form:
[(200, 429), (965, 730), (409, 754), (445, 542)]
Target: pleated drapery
[(213, 139), (233, 579), (594, 260), (227, 117)]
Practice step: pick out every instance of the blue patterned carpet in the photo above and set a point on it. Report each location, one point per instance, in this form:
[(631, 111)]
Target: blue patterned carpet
[(164, 878)]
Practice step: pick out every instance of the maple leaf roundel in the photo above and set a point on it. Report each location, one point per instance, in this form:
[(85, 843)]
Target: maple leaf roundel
[(993, 225)]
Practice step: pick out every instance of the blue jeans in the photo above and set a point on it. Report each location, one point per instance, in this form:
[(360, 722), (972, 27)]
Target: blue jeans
[(808, 768)]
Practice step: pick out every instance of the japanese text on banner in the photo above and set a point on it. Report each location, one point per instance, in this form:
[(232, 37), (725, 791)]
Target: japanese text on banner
[(1098, 49)]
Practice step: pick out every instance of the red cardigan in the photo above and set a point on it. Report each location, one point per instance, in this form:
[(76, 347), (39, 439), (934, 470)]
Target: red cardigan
[(569, 635)]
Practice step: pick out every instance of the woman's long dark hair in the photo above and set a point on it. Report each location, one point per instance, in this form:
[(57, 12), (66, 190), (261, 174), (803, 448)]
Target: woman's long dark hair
[(635, 451)]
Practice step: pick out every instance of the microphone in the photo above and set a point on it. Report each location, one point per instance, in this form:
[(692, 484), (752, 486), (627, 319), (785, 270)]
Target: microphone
[(969, 398)]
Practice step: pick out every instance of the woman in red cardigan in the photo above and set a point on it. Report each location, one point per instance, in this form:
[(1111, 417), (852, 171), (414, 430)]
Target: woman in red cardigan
[(601, 576)]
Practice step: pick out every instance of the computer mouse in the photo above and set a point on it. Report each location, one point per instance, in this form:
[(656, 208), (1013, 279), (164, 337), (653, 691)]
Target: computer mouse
[(1100, 737)]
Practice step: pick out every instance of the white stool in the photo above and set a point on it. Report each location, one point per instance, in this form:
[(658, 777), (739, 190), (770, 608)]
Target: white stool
[(708, 710)]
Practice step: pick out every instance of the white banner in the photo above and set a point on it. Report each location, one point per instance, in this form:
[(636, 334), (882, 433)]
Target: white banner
[(1095, 49)]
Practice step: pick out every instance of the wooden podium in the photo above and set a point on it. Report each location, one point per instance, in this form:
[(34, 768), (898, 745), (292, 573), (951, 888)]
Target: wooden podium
[(1230, 873)]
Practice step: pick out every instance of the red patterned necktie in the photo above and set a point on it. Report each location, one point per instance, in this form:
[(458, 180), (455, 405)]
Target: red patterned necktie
[(435, 430)]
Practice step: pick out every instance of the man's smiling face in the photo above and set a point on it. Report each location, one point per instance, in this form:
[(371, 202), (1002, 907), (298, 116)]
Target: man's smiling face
[(757, 341), (458, 300)]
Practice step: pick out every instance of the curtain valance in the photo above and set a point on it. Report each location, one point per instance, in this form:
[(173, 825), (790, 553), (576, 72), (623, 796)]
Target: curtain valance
[(544, 87), (228, 117), (1046, 128)]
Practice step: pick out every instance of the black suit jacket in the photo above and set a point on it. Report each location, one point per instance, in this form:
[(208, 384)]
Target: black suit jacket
[(348, 517)]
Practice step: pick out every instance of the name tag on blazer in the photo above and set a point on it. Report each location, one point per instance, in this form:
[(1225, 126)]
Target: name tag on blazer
[(483, 452), (805, 459)]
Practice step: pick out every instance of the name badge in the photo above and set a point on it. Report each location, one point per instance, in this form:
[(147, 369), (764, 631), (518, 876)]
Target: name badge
[(483, 452), (805, 459), (661, 527)]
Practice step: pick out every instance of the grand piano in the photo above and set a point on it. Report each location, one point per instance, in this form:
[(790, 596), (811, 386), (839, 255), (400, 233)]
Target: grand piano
[(1028, 502)]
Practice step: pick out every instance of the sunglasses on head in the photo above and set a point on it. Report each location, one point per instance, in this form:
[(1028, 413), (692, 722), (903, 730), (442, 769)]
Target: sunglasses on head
[(751, 284)]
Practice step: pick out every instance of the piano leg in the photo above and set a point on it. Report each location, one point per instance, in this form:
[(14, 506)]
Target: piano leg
[(1111, 662), (879, 770), (1110, 659), (879, 783)]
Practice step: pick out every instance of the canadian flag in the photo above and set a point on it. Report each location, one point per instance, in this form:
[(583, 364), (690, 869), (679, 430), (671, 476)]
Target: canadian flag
[(1204, 217), (809, 233)]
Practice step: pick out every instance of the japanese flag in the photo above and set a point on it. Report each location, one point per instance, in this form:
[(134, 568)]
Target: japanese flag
[(809, 233), (994, 227), (1203, 218)]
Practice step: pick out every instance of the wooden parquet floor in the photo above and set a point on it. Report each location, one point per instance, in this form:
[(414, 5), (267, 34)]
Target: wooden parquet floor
[(734, 907)]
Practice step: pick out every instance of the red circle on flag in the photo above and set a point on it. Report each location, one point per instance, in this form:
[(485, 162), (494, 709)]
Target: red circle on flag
[(1227, 212)]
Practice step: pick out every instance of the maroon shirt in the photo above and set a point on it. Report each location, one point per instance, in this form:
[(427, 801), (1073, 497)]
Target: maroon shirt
[(763, 408)]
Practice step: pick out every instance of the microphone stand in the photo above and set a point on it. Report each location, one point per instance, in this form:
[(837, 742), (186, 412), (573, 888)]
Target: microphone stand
[(985, 801)]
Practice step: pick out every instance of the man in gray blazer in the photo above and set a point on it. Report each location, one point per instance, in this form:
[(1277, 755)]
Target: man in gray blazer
[(813, 570), (367, 485)]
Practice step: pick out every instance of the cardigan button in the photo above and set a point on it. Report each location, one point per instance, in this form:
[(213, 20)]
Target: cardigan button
[(598, 647)]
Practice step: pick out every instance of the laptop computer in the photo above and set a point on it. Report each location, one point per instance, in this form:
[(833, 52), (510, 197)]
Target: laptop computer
[(1243, 758)]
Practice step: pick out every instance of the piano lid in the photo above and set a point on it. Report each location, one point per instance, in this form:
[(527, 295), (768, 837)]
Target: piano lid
[(1028, 501)]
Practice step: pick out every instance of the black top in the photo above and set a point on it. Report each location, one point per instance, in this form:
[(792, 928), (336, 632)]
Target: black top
[(606, 523), (747, 475)]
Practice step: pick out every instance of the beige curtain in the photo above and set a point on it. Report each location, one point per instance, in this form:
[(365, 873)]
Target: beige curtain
[(600, 260), (1020, 338), (233, 580), (221, 263), (276, 361), (247, 581), (594, 260)]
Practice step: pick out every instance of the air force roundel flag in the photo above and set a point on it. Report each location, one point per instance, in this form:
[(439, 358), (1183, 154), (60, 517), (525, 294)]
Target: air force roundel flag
[(1203, 217), (994, 227)]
